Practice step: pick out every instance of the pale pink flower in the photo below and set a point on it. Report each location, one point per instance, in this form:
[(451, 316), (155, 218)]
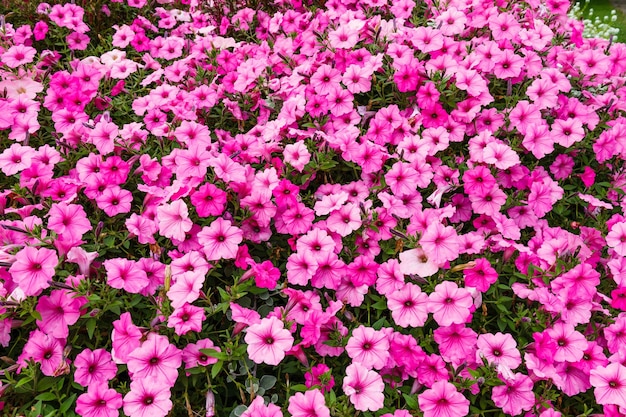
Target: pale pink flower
[(415, 262), (498, 349), (364, 388), (268, 341), (156, 360), (174, 220), (450, 304), (443, 400), (408, 305), (440, 243)]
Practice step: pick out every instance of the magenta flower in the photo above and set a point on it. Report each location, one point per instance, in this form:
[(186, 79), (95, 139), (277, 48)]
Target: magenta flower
[(99, 401), (220, 240), (58, 311), (125, 274), (157, 360), (126, 337), (515, 396), (450, 304), (364, 388), (443, 400), (47, 351), (33, 268), (94, 367), (186, 288), (268, 341), (147, 398)]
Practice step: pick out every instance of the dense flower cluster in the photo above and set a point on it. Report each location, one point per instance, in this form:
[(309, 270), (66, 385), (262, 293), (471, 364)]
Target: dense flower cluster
[(396, 208)]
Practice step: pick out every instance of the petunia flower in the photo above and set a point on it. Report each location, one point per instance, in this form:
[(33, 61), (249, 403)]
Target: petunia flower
[(443, 400), (268, 341), (364, 387)]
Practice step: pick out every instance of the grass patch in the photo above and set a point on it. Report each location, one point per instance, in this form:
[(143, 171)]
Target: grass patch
[(600, 8)]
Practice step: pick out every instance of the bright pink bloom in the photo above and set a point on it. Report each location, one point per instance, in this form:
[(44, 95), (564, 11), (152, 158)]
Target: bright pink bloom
[(174, 220), (47, 351), (33, 268), (126, 337), (156, 360), (99, 401), (368, 347), (268, 341), (364, 388), (192, 356), (58, 311), (498, 349), (309, 404), (440, 243), (570, 343), (408, 305), (220, 240), (94, 367), (69, 219), (443, 400), (186, 319), (147, 398), (125, 274), (457, 343), (186, 288), (609, 384), (515, 396), (259, 409), (481, 276), (450, 304)]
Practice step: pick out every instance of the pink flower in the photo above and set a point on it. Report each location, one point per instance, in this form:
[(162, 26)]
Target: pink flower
[(69, 219), (415, 262), (125, 274), (259, 409), (58, 311), (443, 400), (99, 401), (457, 343), (147, 399), (616, 238), (94, 367), (220, 240), (47, 351), (481, 276), (18, 55), (126, 337), (268, 341), (368, 347), (450, 304), (156, 360), (174, 220), (186, 288), (609, 384), (440, 243), (515, 396), (309, 404), (408, 305), (498, 349), (33, 268), (364, 388)]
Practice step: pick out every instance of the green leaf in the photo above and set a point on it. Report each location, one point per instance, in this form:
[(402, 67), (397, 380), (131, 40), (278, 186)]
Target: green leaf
[(215, 370), (91, 326), (67, 404), (23, 382), (46, 396), (214, 354), (411, 401), (267, 381), (298, 388)]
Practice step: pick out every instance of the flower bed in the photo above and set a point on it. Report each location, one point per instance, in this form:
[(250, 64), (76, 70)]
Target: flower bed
[(322, 209)]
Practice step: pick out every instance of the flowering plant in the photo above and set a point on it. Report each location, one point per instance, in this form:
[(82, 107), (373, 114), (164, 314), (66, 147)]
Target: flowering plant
[(311, 209)]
